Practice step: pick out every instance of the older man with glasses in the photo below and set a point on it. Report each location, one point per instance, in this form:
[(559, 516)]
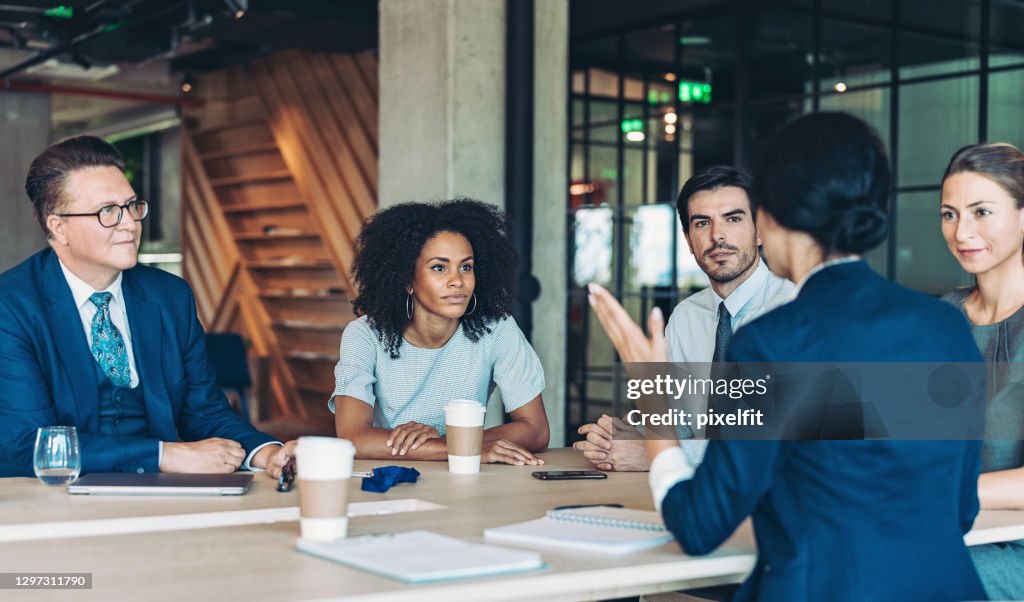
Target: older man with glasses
[(90, 339)]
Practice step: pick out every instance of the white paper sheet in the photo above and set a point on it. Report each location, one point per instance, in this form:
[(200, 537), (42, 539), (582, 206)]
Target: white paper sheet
[(204, 520)]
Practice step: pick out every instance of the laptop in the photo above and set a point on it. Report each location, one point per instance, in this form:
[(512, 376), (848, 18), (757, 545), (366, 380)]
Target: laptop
[(236, 483)]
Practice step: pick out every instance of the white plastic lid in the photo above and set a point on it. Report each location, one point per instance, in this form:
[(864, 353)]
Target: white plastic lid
[(331, 445), (464, 405)]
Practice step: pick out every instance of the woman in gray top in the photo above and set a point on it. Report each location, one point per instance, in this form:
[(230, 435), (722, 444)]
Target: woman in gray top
[(436, 285), (982, 211)]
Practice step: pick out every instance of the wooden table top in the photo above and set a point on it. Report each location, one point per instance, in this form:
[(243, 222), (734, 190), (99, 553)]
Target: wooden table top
[(258, 561)]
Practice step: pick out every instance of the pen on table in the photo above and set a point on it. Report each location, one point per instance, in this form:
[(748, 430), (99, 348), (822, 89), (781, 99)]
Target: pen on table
[(587, 506), (287, 479)]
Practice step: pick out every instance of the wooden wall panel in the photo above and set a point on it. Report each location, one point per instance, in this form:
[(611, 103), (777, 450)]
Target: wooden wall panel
[(214, 265), (279, 171), (324, 119)]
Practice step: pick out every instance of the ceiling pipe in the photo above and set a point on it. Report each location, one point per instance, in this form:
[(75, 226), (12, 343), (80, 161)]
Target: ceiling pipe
[(24, 86)]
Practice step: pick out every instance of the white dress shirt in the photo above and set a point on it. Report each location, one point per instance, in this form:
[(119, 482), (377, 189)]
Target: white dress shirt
[(690, 335), (80, 292)]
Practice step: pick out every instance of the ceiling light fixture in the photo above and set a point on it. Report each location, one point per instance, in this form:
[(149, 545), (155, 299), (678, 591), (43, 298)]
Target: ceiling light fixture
[(840, 87), (635, 136), (694, 40), (238, 7), (58, 69)]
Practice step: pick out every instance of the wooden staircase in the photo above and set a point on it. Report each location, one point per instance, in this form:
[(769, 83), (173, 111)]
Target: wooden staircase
[(266, 249)]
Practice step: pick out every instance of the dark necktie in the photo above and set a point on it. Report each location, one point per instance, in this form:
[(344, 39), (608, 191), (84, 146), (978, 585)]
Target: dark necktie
[(723, 333), (107, 344)]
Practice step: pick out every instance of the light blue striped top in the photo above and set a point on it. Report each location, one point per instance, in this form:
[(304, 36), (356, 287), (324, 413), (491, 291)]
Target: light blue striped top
[(417, 385)]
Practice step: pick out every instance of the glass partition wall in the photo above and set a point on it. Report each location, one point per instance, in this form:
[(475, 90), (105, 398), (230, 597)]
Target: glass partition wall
[(649, 106)]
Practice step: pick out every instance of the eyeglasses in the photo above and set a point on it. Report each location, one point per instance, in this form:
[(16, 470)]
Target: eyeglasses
[(110, 215)]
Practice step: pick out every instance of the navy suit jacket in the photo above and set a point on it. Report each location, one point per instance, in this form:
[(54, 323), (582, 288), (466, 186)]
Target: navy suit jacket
[(843, 520), (48, 375)]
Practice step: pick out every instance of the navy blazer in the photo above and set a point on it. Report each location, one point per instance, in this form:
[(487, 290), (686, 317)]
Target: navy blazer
[(48, 375), (843, 520)]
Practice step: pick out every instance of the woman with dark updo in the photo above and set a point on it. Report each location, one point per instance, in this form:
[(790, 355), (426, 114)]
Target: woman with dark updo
[(860, 519), (436, 287)]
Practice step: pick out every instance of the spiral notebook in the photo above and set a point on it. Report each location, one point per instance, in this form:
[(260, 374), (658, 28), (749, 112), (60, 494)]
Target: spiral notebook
[(600, 529)]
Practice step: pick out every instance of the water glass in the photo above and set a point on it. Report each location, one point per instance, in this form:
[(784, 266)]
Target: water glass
[(57, 460)]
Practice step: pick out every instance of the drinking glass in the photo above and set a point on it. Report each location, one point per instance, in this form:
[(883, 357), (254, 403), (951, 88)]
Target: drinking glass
[(57, 460)]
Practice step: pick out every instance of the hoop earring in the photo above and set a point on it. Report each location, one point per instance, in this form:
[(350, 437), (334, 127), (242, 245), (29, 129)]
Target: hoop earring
[(474, 307), (408, 306)]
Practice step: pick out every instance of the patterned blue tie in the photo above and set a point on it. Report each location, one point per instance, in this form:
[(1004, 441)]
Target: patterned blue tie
[(107, 344)]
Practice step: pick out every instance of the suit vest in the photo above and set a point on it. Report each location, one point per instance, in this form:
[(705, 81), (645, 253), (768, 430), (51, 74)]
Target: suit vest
[(122, 409)]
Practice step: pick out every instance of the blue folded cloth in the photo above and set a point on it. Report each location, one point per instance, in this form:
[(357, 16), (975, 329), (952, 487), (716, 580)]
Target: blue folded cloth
[(386, 477)]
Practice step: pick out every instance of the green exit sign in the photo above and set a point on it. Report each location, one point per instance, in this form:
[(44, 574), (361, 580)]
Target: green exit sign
[(60, 12), (698, 92), (632, 125)]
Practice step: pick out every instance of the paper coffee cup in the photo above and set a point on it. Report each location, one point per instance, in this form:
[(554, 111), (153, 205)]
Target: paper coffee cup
[(464, 433), (323, 469)]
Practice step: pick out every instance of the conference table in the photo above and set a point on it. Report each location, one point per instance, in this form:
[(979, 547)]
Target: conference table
[(242, 547)]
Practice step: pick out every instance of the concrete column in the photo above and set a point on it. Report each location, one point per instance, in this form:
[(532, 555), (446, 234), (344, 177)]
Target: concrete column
[(26, 127), (170, 188), (442, 134), (442, 100), (550, 201)]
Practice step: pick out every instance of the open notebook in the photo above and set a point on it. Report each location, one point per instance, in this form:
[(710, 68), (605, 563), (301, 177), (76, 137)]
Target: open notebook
[(598, 529), (422, 556)]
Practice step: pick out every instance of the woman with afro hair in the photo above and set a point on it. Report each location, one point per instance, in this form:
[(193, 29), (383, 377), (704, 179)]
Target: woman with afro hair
[(436, 287)]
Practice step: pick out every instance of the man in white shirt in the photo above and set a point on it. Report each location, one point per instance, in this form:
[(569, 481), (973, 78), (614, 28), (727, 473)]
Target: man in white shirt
[(717, 217)]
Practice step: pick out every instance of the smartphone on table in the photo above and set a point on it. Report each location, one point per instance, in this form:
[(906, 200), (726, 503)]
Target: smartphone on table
[(568, 475)]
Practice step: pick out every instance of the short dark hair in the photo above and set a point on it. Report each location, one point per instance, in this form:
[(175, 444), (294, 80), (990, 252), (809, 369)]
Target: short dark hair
[(49, 171), (711, 178), (1000, 162), (827, 175), (390, 243)]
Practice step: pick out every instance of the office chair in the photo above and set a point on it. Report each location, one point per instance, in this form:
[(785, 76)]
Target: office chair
[(227, 354)]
